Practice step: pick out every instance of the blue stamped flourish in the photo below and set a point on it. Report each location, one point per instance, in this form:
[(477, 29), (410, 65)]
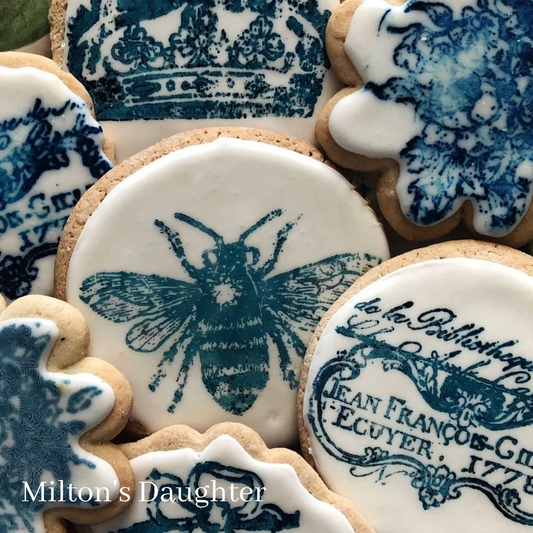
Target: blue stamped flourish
[(468, 78), (215, 515), (228, 314), (141, 48), (30, 146), (206, 70), (257, 46), (469, 400), (44, 147), (196, 41), (35, 440)]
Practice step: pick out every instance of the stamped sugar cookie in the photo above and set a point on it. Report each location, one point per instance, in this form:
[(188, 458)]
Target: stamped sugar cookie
[(51, 151), (59, 410), (440, 103), (175, 65), (227, 480), (418, 400), (202, 267)]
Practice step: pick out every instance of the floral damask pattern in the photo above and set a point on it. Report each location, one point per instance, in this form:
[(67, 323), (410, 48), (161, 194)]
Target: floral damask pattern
[(35, 434), (468, 78)]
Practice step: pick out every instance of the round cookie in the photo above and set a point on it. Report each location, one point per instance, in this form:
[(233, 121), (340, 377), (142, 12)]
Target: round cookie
[(204, 264), (438, 103), (51, 151), (60, 409), (227, 480), (157, 70), (415, 398)]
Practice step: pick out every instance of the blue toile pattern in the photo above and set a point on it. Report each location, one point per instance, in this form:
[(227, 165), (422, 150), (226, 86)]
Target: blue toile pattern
[(228, 314), (215, 515), (468, 78), (175, 58), (35, 436), (31, 146)]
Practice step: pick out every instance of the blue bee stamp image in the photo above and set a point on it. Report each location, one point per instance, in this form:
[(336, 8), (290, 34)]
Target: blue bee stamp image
[(204, 273), (445, 91), (419, 399), (176, 65), (226, 480), (51, 151), (51, 397)]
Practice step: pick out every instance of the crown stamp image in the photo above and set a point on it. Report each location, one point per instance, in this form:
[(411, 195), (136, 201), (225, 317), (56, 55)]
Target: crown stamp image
[(199, 59)]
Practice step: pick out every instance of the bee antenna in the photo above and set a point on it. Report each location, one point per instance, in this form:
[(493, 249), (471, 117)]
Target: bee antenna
[(198, 225), (177, 246), (267, 218)]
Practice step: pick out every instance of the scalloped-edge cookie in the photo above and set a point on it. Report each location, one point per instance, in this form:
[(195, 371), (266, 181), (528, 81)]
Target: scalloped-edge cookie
[(416, 397), (51, 151), (227, 480), (60, 410), (439, 103)]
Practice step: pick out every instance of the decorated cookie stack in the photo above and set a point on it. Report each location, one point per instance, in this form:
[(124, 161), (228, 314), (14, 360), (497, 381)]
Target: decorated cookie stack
[(185, 272)]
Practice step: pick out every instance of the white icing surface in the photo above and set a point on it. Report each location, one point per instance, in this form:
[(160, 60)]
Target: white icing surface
[(228, 185), (37, 218), (386, 139), (283, 489), (481, 295), (387, 125)]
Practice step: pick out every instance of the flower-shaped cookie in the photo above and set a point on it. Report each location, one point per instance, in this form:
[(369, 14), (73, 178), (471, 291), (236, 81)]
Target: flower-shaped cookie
[(58, 411), (441, 103)]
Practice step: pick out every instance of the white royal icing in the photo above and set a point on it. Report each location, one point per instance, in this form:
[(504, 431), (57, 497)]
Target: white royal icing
[(242, 332), (43, 416), (419, 400), (279, 501), (177, 66), (50, 153), (446, 94)]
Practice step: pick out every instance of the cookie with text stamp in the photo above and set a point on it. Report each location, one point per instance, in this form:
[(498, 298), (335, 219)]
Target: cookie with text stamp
[(60, 409), (439, 103), (155, 69), (51, 151), (203, 265), (227, 480), (416, 398)]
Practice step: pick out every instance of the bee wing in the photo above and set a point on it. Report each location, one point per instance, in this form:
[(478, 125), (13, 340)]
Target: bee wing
[(304, 294), (162, 304)]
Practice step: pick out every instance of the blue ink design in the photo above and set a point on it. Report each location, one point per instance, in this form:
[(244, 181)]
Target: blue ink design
[(31, 146), (195, 70), (470, 401), (227, 314), (467, 150), (243, 516), (34, 441)]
